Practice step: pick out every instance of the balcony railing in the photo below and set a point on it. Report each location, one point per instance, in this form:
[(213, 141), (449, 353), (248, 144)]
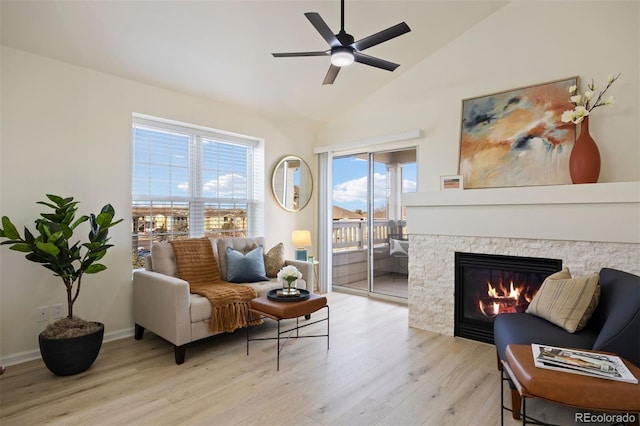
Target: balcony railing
[(354, 235)]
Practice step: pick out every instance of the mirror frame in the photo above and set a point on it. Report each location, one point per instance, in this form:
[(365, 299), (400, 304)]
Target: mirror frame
[(303, 166)]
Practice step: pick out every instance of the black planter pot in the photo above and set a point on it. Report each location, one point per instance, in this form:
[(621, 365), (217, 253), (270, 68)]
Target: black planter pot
[(64, 357)]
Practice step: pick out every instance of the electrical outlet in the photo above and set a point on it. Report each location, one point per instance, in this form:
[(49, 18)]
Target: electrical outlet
[(42, 313), (57, 311)]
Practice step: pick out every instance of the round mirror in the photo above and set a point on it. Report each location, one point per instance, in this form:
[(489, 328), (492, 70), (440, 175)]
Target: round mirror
[(292, 183)]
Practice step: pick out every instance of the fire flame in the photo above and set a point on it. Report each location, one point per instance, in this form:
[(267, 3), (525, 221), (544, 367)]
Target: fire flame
[(513, 293), (499, 293)]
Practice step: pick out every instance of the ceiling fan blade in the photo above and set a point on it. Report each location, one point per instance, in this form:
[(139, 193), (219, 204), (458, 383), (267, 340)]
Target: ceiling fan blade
[(322, 27), (382, 36), (374, 62), (331, 75), (295, 54)]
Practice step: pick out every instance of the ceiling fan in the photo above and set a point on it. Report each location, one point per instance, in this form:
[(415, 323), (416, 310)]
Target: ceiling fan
[(344, 50)]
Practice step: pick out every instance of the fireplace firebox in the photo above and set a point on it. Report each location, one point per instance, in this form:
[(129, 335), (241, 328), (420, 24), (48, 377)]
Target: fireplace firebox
[(488, 285)]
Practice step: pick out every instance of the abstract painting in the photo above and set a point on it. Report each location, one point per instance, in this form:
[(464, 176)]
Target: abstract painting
[(516, 138)]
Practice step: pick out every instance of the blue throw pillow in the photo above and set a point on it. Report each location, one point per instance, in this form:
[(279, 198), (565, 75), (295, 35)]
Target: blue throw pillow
[(246, 268)]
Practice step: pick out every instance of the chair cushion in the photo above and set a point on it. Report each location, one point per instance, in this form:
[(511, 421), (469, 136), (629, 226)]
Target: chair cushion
[(524, 329), (566, 302), (245, 268), (398, 247)]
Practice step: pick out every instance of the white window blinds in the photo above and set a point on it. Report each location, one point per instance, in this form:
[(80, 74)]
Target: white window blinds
[(190, 181)]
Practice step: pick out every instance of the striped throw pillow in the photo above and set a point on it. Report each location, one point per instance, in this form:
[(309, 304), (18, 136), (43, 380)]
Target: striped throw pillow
[(567, 302)]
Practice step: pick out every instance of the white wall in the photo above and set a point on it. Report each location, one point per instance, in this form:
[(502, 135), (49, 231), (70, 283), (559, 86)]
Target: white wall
[(522, 44), (66, 130)]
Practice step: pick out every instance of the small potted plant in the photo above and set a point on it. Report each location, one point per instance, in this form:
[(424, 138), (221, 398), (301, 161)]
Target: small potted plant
[(69, 345), (289, 275)]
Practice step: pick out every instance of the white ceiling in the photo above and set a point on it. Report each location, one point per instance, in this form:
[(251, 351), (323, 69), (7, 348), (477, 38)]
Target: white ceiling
[(221, 49)]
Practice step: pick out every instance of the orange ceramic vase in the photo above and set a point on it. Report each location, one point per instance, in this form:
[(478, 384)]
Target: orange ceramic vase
[(584, 162)]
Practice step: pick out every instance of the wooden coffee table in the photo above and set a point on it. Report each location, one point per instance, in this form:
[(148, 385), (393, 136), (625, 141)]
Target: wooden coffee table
[(574, 390), (278, 311)]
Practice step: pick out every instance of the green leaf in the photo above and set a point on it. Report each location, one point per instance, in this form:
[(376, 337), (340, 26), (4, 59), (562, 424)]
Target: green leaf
[(93, 246), (25, 248), (108, 208), (10, 230), (43, 229), (97, 255), (38, 258), (104, 220), (80, 220), (56, 199), (96, 267), (48, 248), (68, 217), (55, 237), (47, 204), (28, 236)]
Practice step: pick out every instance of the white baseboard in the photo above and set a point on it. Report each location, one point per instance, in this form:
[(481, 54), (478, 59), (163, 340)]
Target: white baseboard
[(31, 355)]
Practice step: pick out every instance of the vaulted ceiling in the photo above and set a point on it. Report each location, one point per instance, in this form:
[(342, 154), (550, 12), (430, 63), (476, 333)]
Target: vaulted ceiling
[(221, 49)]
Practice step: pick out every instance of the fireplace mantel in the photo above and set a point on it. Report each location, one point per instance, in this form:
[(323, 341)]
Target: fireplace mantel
[(607, 212)]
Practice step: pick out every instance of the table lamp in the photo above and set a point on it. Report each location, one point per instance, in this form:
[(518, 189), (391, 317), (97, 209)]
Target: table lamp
[(301, 239)]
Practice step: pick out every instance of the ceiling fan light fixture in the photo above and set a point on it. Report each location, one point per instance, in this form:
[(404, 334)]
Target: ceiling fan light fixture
[(342, 56)]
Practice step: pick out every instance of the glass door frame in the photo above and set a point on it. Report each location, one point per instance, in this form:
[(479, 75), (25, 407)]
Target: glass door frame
[(371, 210)]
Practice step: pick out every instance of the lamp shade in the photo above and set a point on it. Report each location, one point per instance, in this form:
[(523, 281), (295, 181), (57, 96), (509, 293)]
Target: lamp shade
[(301, 238)]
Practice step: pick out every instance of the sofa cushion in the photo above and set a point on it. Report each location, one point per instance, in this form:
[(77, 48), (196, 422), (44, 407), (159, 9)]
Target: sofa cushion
[(243, 245), (163, 259), (566, 302), (195, 261), (200, 308), (274, 260), (245, 268)]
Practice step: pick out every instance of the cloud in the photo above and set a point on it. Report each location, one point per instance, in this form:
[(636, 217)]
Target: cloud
[(409, 185), (226, 186), (356, 189)]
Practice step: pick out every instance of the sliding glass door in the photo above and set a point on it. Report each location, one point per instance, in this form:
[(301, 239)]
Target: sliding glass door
[(369, 239)]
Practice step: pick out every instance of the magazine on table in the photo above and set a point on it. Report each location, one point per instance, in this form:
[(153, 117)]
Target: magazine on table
[(579, 362)]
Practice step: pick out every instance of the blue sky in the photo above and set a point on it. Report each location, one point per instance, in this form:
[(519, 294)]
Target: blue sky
[(350, 182)]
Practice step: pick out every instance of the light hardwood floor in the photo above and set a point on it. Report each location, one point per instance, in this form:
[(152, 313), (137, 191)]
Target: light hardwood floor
[(378, 371)]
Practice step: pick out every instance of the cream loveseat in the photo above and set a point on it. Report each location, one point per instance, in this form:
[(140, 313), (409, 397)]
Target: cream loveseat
[(163, 304)]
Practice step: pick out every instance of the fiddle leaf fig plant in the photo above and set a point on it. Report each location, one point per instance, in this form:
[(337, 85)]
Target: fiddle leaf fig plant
[(51, 243)]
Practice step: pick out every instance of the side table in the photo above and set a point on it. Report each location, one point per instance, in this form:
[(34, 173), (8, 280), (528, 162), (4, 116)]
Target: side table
[(278, 311), (575, 390)]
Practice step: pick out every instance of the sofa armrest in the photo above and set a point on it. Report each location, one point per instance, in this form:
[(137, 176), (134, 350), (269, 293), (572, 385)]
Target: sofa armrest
[(306, 268), (161, 304)]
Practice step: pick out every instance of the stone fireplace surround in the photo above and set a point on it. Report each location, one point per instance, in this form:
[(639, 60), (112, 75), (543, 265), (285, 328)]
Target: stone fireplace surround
[(587, 226)]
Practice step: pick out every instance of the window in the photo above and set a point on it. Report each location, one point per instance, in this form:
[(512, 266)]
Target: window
[(190, 181)]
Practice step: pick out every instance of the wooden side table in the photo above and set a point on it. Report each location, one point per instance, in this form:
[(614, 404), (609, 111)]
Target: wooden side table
[(278, 311), (574, 390)]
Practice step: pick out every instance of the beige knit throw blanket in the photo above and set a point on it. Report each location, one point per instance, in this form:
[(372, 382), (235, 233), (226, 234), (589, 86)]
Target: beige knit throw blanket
[(198, 266)]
